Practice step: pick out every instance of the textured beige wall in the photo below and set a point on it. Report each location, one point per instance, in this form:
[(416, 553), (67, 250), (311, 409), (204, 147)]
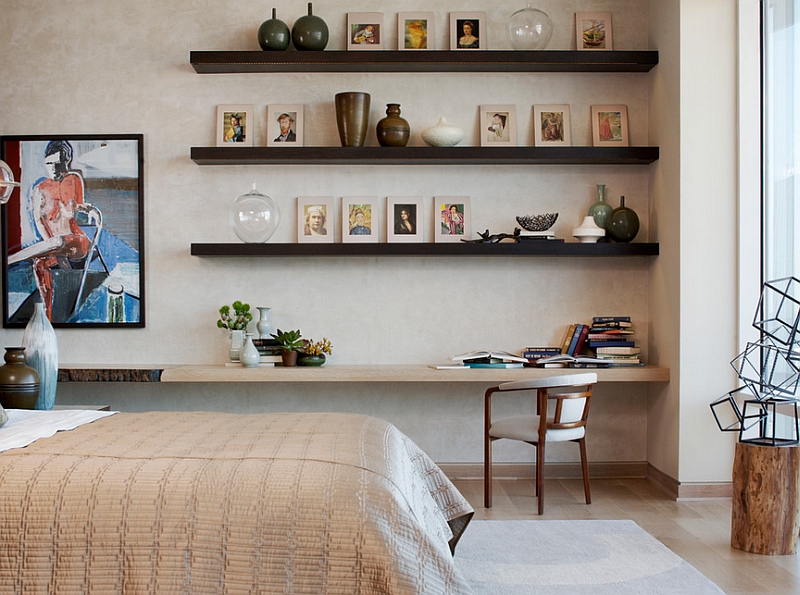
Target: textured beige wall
[(122, 67)]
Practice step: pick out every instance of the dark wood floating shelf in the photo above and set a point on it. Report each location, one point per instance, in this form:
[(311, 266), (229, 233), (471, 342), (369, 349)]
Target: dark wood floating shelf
[(219, 62), (524, 248), (424, 155)]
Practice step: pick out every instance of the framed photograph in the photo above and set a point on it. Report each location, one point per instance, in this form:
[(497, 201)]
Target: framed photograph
[(467, 30), (73, 231), (284, 125), (235, 125), (452, 217), (551, 126), (609, 126), (593, 31), (498, 125), (415, 31), (364, 30), (404, 219), (315, 219), (359, 219)]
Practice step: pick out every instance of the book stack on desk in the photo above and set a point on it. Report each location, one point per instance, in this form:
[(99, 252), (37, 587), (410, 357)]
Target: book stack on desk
[(490, 359), (611, 337), (269, 351)]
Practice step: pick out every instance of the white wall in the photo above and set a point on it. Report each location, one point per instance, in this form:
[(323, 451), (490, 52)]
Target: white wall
[(122, 67)]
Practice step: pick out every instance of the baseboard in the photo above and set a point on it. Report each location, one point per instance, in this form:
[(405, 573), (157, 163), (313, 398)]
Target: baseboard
[(673, 488), (456, 471)]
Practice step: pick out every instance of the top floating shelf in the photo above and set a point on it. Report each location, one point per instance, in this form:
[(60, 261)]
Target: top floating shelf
[(219, 62)]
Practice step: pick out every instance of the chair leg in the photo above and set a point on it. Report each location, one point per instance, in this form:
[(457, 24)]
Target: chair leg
[(585, 468), (487, 471), (540, 474)]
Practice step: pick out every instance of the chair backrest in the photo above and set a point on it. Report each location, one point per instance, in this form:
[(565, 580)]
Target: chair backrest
[(571, 409)]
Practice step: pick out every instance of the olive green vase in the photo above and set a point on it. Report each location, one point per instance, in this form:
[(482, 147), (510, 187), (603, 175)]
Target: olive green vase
[(273, 34), (310, 33), (623, 225)]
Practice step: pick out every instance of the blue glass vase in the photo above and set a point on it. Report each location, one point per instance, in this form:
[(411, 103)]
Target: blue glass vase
[(41, 354)]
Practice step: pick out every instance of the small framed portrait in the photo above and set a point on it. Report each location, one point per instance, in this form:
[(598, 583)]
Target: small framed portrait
[(364, 30), (285, 125), (235, 125), (551, 126), (593, 31), (498, 125), (315, 220), (609, 126), (415, 31), (452, 217), (467, 30), (404, 219), (359, 219)]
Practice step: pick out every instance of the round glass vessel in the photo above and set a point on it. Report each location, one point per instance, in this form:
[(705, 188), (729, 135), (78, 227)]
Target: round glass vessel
[(254, 217), (529, 29)]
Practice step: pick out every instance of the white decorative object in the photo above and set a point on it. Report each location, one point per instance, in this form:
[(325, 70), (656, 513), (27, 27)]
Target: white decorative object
[(588, 232), (443, 134), (41, 354), (237, 343), (7, 183), (264, 327), (249, 356)]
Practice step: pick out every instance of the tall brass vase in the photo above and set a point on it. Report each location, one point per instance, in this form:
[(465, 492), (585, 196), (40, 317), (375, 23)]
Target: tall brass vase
[(352, 117)]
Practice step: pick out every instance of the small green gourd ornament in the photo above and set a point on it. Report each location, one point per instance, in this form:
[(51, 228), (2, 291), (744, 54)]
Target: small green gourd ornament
[(623, 225), (310, 32), (273, 34)]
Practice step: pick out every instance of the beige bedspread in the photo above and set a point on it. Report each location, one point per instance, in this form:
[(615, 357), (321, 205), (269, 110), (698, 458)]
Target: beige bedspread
[(211, 503)]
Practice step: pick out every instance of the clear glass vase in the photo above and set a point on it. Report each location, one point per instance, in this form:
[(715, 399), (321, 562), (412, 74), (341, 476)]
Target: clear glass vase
[(254, 217), (41, 354)]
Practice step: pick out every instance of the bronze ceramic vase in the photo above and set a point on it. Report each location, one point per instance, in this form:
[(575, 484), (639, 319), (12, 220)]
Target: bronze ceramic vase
[(19, 383), (393, 131), (352, 117)]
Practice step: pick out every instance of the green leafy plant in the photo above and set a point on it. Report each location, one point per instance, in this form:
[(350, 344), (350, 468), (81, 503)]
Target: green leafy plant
[(236, 322), (289, 340), (318, 347)]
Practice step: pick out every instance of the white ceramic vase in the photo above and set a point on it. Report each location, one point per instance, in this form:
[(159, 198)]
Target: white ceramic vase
[(41, 354), (263, 326), (237, 343), (588, 232), (249, 356), (443, 134)]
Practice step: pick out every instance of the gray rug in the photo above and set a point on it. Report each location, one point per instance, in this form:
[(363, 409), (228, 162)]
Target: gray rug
[(573, 557)]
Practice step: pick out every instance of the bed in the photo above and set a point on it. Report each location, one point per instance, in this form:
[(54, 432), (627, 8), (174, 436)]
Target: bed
[(214, 503)]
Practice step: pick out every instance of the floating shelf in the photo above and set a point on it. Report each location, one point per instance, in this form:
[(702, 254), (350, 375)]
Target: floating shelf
[(424, 155), (220, 62), (524, 248)]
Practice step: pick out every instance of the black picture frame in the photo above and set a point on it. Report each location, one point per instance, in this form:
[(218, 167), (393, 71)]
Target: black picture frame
[(73, 232)]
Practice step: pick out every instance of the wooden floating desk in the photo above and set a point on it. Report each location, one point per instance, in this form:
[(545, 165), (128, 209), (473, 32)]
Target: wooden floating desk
[(341, 373)]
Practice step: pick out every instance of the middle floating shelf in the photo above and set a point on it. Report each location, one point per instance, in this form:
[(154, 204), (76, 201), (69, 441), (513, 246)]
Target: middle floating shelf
[(424, 155)]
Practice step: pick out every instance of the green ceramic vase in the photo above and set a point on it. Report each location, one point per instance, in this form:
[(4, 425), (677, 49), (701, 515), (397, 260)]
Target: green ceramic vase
[(601, 210), (310, 32), (305, 359), (623, 225), (273, 34)]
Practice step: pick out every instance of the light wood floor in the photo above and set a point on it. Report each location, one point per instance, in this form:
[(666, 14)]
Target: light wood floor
[(696, 530)]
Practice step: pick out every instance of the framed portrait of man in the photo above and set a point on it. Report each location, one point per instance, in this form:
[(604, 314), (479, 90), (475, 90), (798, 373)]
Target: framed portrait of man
[(359, 219), (452, 216), (404, 219), (315, 220), (235, 126), (73, 236), (284, 125)]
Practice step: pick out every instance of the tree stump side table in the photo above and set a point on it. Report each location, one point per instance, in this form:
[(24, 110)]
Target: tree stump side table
[(765, 517)]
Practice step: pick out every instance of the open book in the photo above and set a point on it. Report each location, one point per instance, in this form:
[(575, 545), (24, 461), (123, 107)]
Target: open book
[(566, 360), (489, 356)]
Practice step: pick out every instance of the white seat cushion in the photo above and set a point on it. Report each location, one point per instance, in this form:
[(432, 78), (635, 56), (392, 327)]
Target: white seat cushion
[(526, 428)]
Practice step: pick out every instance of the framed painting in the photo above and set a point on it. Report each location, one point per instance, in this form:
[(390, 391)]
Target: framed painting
[(364, 30), (284, 125), (609, 126), (498, 125), (452, 215), (73, 231), (551, 126), (415, 31), (315, 220), (467, 30), (404, 219), (235, 125), (359, 218), (593, 31)]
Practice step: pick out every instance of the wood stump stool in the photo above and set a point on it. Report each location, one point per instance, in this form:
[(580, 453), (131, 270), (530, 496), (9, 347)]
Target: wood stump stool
[(765, 516)]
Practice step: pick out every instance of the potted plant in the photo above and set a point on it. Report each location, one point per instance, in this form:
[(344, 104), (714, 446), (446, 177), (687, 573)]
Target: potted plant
[(291, 343), (236, 324), (314, 352)]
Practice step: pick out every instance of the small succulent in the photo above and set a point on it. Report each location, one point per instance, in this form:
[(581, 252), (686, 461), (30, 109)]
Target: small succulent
[(289, 340), (318, 347), (241, 317)]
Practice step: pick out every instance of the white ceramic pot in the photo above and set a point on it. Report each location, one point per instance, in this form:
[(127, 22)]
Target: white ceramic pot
[(249, 356), (443, 134), (589, 232)]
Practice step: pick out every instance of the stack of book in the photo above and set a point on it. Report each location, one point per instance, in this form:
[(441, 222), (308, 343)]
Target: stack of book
[(611, 337), (269, 351), (574, 339), (490, 359), (534, 354)]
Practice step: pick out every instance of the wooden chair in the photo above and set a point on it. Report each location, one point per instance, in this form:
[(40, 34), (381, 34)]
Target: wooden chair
[(566, 423)]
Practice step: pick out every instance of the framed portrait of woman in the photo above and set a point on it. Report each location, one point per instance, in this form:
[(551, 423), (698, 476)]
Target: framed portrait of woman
[(551, 126), (498, 125), (467, 30), (609, 125), (315, 220), (235, 126), (415, 31), (359, 219), (404, 219), (452, 217)]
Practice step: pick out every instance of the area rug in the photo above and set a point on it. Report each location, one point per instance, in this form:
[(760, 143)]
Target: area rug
[(575, 558)]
